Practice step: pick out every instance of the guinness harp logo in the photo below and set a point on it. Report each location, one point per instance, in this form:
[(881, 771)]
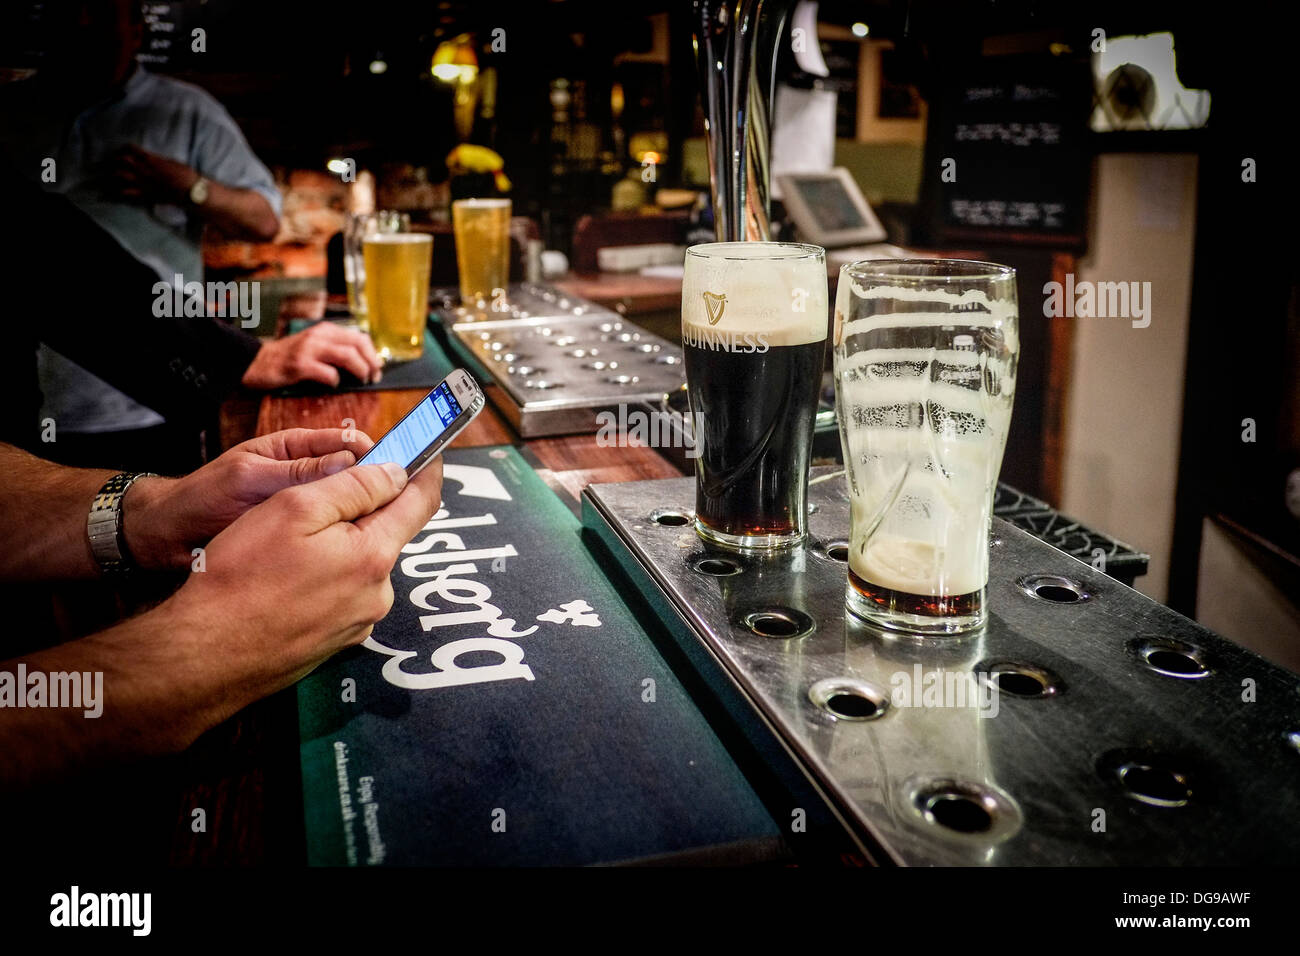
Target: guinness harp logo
[(715, 304)]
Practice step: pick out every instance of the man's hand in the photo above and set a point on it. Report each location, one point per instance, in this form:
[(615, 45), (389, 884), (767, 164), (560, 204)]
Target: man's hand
[(295, 579), (315, 355), (139, 176), (165, 519), (149, 178), (302, 576)]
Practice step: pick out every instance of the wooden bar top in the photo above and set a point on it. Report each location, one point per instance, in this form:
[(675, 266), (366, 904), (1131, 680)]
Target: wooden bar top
[(570, 461), (244, 772)]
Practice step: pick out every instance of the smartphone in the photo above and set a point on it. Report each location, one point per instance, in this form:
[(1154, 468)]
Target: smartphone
[(417, 438)]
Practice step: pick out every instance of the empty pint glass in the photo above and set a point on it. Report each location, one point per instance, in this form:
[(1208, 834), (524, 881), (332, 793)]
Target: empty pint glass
[(754, 323), (925, 373)]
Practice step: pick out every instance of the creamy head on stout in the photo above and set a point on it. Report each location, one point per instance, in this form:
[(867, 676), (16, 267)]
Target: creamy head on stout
[(747, 297)]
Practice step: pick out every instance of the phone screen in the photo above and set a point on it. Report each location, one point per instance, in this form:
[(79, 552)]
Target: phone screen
[(417, 430)]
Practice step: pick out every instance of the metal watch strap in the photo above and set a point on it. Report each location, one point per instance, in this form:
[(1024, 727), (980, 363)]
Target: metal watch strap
[(104, 524)]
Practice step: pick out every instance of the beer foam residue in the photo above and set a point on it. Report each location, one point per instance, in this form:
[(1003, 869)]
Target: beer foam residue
[(971, 307), (919, 567)]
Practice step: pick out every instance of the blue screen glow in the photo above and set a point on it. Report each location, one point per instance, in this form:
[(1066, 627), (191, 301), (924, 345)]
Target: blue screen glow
[(416, 431)]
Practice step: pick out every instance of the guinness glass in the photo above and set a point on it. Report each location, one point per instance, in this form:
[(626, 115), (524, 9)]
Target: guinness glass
[(754, 324), (925, 373)]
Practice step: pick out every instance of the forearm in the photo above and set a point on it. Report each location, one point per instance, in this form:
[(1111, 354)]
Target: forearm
[(43, 511), (144, 692), (239, 213)]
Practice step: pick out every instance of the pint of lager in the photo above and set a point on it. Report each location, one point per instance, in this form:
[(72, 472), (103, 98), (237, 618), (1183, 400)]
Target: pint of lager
[(754, 321), (482, 229), (397, 291), (355, 229), (925, 373)]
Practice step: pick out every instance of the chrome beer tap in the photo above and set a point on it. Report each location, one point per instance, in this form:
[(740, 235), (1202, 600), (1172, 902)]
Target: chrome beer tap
[(736, 52)]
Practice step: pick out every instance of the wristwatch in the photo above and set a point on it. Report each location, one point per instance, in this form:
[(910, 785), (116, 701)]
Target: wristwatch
[(199, 191), (104, 524)]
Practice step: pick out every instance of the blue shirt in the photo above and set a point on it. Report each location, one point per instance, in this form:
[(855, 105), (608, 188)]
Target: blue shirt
[(173, 119)]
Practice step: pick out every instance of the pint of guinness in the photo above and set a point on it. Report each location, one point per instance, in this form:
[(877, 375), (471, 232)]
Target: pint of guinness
[(754, 325)]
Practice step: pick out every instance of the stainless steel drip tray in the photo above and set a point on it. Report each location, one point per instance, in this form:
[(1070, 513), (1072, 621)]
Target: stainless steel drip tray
[(1086, 724), (523, 300), (555, 374)]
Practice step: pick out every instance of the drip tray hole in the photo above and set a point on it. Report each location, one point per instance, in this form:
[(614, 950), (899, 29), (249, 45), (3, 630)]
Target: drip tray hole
[(848, 699), (838, 550), (1172, 658), (959, 812), (781, 623), (1157, 786), (718, 567), (964, 808), (1147, 777), (1053, 589), (670, 517), (1019, 679)]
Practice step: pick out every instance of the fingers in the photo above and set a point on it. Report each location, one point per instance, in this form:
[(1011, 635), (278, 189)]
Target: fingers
[(314, 370), (299, 471), (348, 357), (367, 349), (397, 523), (308, 443), (297, 456), (344, 496), (343, 343)]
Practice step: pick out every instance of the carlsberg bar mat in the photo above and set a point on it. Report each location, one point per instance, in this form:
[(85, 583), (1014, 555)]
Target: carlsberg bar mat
[(512, 710), (1086, 724)]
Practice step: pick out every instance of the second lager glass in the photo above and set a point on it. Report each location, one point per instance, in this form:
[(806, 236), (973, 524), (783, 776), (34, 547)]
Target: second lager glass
[(397, 292), (482, 250), (754, 324)]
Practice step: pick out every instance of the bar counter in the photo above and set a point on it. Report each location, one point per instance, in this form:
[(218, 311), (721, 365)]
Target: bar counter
[(245, 772)]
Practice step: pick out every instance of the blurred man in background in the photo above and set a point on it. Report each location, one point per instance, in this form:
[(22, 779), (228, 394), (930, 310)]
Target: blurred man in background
[(151, 161)]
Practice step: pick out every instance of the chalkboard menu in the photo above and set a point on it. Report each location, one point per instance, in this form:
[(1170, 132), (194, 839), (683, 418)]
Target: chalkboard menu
[(166, 42), (28, 31), (1006, 152)]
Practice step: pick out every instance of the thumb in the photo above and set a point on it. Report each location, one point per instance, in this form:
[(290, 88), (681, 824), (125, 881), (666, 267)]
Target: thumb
[(271, 475), (345, 495), (299, 471)]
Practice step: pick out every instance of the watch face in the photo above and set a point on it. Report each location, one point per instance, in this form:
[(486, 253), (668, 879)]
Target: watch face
[(199, 191)]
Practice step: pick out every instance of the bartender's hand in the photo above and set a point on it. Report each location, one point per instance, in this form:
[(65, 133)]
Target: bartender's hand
[(164, 519), (315, 355), (302, 576)]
